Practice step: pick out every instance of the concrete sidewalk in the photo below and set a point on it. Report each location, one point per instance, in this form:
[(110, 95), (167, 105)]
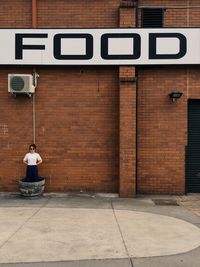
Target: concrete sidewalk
[(83, 230)]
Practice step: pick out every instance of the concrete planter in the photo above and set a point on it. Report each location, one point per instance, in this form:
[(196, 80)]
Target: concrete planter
[(31, 189)]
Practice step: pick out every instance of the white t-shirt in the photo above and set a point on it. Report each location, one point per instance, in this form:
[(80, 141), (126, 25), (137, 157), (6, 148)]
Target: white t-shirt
[(32, 158)]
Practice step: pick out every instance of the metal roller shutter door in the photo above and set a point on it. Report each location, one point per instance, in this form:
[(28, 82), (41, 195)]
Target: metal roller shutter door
[(193, 148)]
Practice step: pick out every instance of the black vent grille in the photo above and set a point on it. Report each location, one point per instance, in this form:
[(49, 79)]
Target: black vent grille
[(152, 17)]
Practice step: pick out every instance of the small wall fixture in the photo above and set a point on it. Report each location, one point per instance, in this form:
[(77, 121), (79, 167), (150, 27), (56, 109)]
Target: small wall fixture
[(175, 95)]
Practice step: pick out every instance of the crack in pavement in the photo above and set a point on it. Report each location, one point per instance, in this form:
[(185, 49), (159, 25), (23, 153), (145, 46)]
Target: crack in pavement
[(27, 220)]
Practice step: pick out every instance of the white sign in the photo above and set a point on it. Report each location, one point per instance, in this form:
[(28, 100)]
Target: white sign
[(99, 46)]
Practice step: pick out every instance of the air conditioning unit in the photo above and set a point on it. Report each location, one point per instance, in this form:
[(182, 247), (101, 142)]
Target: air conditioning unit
[(21, 84)]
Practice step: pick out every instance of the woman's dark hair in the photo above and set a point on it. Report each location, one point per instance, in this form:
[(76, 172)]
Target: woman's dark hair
[(32, 145)]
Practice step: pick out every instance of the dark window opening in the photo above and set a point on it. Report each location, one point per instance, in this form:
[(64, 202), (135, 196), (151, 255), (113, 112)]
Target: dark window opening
[(152, 17)]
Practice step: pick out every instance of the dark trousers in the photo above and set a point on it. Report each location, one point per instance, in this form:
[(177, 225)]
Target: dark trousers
[(32, 173)]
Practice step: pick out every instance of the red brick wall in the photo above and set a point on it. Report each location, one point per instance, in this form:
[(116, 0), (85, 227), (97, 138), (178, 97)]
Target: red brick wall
[(15, 131), (76, 129), (77, 116), (15, 14), (127, 107), (176, 12), (127, 138), (193, 80), (162, 127), (81, 112), (78, 13), (162, 130)]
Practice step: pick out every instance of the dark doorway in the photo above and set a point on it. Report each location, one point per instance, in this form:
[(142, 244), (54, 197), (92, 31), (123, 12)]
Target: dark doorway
[(193, 148)]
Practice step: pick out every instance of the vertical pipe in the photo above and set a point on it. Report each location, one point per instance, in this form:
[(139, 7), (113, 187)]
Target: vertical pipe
[(136, 150), (136, 13), (34, 26), (188, 84), (34, 14), (34, 140)]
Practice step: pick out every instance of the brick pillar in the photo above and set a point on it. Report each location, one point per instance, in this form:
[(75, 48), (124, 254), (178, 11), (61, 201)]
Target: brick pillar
[(127, 171)]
